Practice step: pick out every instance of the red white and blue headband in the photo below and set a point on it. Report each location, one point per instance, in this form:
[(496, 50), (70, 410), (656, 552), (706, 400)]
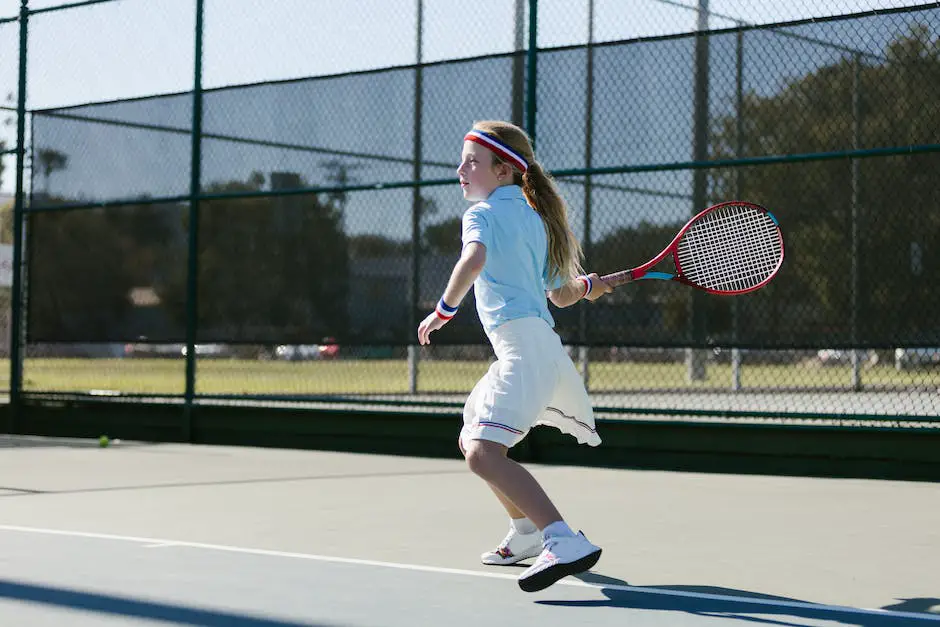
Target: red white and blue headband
[(502, 150)]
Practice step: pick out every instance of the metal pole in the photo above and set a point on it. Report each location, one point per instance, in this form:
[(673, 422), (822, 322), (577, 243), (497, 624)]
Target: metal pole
[(518, 65), (695, 357), (531, 65), (413, 350), (856, 145), (738, 190), (16, 305), (588, 162), (192, 279)]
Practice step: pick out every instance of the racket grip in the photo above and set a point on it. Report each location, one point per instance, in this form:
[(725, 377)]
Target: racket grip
[(618, 278)]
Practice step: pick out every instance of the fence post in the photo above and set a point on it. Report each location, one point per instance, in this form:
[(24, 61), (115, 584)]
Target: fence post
[(856, 145), (192, 283), (738, 190), (16, 301), (531, 65), (517, 104), (413, 350), (695, 357), (583, 353)]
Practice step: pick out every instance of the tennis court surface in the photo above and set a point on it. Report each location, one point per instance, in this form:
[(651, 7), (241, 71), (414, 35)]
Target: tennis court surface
[(195, 535)]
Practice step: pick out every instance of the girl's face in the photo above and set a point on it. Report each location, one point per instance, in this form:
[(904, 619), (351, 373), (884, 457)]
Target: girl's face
[(479, 176)]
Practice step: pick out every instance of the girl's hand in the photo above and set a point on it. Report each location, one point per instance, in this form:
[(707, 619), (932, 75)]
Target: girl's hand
[(598, 287), (432, 323)]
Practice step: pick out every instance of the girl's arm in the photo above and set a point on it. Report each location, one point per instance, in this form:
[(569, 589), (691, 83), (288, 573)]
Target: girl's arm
[(465, 272), (575, 289)]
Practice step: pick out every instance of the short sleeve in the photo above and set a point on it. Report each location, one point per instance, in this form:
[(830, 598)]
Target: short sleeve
[(555, 283), (475, 227)]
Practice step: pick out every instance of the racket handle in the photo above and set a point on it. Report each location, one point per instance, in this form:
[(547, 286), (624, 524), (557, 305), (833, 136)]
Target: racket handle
[(618, 278)]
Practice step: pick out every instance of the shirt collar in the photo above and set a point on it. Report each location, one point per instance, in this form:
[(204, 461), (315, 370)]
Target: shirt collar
[(506, 192)]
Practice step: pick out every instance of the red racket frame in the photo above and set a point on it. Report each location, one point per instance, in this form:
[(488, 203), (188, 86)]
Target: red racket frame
[(623, 277)]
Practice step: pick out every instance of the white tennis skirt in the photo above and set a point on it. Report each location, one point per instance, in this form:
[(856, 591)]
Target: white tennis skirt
[(532, 382)]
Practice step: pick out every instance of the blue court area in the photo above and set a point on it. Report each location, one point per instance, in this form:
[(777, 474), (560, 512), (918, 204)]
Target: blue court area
[(190, 535)]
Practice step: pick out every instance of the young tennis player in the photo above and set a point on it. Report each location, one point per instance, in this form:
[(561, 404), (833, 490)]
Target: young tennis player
[(518, 247)]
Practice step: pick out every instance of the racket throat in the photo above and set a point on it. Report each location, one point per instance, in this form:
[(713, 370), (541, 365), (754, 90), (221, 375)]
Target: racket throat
[(660, 276), (640, 274)]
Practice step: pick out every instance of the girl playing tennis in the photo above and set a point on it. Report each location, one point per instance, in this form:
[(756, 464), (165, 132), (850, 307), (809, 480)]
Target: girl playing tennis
[(518, 246)]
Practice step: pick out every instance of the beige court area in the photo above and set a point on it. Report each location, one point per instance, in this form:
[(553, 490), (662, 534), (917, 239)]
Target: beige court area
[(142, 533)]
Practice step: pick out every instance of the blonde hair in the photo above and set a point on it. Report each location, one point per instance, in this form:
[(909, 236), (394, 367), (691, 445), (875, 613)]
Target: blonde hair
[(564, 251)]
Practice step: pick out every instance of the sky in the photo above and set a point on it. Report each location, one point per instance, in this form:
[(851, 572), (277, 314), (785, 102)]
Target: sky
[(131, 48)]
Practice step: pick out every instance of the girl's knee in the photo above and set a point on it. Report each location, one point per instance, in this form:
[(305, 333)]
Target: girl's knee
[(481, 455)]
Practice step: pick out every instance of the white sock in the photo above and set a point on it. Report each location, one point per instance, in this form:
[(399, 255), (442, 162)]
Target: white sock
[(557, 528), (523, 525)]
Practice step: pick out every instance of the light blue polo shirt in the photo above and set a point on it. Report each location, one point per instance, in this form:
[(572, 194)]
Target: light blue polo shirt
[(514, 279)]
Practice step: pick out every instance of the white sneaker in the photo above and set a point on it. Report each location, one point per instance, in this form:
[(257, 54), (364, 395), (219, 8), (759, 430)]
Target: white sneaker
[(515, 547), (561, 556)]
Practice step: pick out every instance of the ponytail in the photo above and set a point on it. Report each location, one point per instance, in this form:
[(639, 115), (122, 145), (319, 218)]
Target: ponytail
[(564, 251)]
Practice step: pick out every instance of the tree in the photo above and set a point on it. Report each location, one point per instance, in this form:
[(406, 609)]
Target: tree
[(7, 121), (338, 172), (51, 160), (369, 245), (78, 285), (896, 212), (84, 264), (443, 238), (272, 269)]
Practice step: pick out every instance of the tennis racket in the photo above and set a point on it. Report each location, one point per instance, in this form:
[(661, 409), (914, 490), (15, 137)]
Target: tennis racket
[(730, 248)]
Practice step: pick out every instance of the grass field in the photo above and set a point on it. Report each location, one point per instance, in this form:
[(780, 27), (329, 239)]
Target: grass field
[(374, 376)]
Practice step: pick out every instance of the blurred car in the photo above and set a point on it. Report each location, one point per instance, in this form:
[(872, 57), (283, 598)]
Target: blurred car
[(914, 357), (207, 350), (329, 349), (175, 350), (146, 350), (297, 352), (303, 352), (837, 356)]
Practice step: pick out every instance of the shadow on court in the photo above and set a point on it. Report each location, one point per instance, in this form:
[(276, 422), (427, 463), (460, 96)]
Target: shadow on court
[(916, 605), (13, 491), (25, 441), (660, 598), (94, 602)]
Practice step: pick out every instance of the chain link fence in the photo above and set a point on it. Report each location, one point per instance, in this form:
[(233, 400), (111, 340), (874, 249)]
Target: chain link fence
[(258, 203)]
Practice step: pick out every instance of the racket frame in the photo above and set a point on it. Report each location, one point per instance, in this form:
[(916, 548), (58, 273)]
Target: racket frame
[(641, 272)]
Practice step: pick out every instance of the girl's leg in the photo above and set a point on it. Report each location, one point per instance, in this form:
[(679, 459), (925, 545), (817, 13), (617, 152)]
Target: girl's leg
[(510, 507), (565, 553), (512, 482)]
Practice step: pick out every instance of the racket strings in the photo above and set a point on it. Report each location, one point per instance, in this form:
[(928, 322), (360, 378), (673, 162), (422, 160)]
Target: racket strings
[(730, 249), (741, 261)]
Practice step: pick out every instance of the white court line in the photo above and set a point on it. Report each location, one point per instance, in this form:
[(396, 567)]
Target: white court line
[(840, 609)]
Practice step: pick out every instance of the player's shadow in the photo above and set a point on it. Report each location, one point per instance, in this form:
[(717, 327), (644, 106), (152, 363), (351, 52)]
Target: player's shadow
[(131, 608), (917, 604), (727, 603)]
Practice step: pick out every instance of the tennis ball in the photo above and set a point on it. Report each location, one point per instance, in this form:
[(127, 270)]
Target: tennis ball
[(103, 441)]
